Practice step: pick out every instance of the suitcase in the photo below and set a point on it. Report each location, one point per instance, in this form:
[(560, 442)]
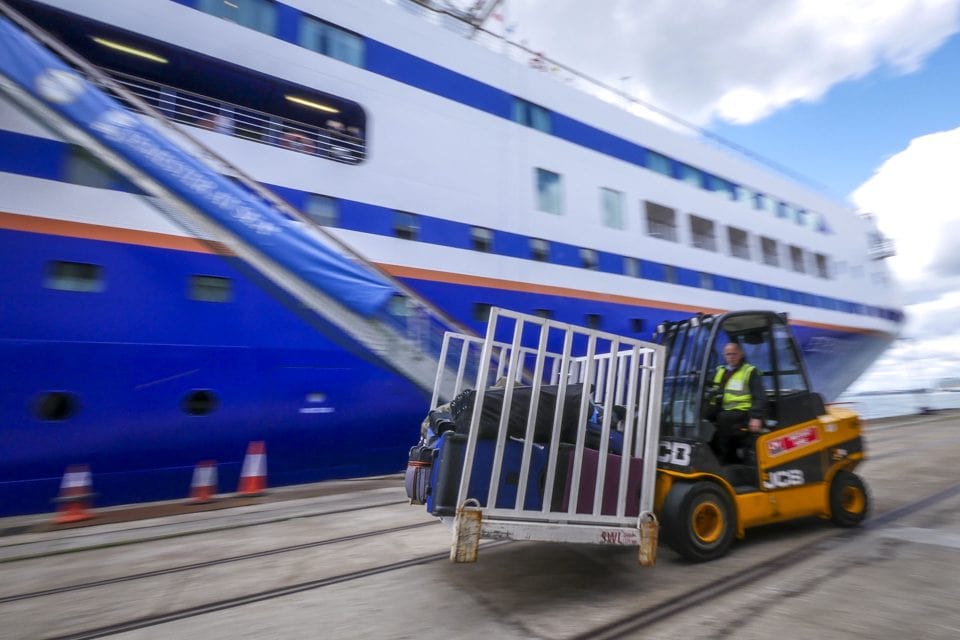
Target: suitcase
[(588, 480), (419, 468), (447, 471)]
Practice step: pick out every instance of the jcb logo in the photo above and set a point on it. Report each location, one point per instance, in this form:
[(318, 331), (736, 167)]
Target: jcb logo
[(782, 479), (677, 453)]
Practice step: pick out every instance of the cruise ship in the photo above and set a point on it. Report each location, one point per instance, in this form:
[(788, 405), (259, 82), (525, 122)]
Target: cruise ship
[(466, 170)]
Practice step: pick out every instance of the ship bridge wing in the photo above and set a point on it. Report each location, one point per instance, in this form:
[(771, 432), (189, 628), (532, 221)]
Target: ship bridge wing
[(346, 296)]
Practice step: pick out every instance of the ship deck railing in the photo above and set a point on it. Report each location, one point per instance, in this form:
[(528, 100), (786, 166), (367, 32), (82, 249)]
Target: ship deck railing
[(185, 107)]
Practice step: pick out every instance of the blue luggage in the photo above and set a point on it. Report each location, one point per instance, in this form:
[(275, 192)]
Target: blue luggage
[(448, 468)]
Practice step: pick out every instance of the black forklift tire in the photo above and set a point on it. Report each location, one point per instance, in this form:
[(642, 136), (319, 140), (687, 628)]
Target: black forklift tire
[(849, 499), (698, 520)]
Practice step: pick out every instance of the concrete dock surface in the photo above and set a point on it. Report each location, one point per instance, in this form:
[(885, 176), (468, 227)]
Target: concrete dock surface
[(352, 560)]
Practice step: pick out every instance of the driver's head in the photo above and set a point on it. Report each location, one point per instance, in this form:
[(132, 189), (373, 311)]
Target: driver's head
[(733, 354)]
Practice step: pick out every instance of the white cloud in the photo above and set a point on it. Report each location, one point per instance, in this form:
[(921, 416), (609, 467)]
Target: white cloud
[(915, 196), (738, 60)]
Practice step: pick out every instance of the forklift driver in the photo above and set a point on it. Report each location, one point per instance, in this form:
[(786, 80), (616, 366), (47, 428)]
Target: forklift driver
[(741, 403)]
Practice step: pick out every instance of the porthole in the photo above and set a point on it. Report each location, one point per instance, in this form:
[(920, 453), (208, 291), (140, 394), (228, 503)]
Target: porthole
[(481, 311), (54, 406), (199, 402)]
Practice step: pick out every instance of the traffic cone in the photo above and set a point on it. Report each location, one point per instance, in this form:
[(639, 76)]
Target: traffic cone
[(253, 475), (73, 503), (204, 483)]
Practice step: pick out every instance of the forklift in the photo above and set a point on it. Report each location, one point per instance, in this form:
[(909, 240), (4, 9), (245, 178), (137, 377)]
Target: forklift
[(801, 463)]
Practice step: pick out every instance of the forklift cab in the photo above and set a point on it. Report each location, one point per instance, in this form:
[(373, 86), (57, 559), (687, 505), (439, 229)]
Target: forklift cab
[(695, 348), (803, 459)]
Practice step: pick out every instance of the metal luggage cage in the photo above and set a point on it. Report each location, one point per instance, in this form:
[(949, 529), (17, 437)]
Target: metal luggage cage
[(620, 371)]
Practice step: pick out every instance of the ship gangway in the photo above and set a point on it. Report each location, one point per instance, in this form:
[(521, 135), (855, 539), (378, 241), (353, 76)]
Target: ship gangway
[(347, 296)]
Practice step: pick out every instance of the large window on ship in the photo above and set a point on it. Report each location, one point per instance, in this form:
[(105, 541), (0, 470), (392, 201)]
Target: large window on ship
[(661, 221), (260, 15), (214, 94), (332, 41), (611, 202), (549, 191), (531, 115)]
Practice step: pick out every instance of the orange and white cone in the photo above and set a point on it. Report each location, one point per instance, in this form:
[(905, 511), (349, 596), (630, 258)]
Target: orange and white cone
[(73, 503), (204, 483), (253, 475)]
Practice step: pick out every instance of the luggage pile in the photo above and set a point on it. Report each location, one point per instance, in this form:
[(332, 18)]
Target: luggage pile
[(549, 444)]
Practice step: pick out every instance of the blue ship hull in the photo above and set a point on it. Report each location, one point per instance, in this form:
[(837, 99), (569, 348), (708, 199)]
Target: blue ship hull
[(131, 355)]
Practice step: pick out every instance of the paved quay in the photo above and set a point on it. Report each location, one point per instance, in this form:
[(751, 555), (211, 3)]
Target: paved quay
[(352, 560)]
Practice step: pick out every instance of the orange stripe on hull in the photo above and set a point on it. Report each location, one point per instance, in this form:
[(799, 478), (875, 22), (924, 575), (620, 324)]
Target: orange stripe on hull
[(33, 224), (513, 285)]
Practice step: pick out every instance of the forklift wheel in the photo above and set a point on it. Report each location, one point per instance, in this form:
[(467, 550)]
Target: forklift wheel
[(849, 500), (698, 520)]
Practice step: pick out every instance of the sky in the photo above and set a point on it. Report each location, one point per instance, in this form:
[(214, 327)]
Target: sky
[(861, 97)]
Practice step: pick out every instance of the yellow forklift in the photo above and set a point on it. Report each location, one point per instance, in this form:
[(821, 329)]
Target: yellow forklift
[(799, 465)]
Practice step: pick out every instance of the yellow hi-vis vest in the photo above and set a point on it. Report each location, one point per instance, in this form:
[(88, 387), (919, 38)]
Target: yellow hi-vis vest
[(736, 395)]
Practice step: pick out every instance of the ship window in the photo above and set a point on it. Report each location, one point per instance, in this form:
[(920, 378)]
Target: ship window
[(796, 259), (631, 267), (612, 204), (706, 281), (54, 406), (549, 191), (764, 203), (332, 41), (771, 254), (659, 163), (539, 250), (813, 221), (739, 243), (531, 115), (481, 311), (323, 210), (74, 276), (823, 265), (199, 402), (589, 259), (593, 320), (544, 313), (481, 239), (691, 175), (259, 15), (669, 274), (722, 187), (637, 325), (789, 212), (661, 221), (704, 235), (742, 194), (736, 286), (273, 112), (85, 169), (406, 225), (211, 289)]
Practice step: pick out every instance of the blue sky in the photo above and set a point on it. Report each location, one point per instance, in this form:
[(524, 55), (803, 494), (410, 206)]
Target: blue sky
[(865, 120)]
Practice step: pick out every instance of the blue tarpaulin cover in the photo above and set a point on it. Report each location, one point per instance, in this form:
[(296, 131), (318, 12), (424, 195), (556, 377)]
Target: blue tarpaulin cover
[(285, 241)]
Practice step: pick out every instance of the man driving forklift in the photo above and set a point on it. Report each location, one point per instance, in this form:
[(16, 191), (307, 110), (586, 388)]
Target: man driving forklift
[(738, 407)]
